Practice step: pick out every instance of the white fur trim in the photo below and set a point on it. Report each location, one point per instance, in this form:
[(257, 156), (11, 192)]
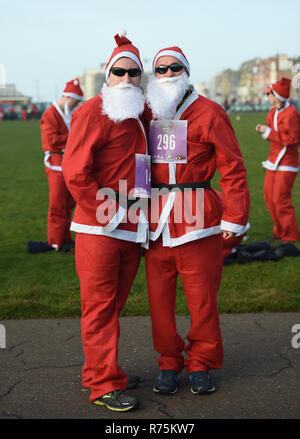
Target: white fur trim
[(279, 97), (177, 55), (238, 229), (62, 115), (122, 55), (46, 162), (191, 98), (273, 166), (266, 133), (73, 95)]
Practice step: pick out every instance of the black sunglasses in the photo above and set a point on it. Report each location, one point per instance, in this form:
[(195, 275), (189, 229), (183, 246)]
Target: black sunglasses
[(269, 93), (175, 67), (119, 71)]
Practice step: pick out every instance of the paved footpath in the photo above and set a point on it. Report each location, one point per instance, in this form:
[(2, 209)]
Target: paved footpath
[(41, 363)]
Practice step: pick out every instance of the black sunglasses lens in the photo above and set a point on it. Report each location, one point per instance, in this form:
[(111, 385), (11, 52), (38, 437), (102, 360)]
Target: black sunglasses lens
[(176, 67), (118, 71), (161, 70), (133, 73)]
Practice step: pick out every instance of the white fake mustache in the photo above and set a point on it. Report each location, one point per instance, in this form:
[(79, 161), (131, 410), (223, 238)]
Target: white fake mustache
[(124, 85)]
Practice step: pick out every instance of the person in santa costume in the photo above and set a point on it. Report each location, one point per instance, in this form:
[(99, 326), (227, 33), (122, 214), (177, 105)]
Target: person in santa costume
[(106, 166), (55, 127), (282, 130), (190, 137)]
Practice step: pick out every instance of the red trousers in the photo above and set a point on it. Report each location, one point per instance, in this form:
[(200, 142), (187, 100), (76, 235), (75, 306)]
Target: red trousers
[(278, 198), (199, 264), (106, 268), (61, 205)]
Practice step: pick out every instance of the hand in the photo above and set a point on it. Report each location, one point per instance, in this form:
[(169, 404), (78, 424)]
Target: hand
[(228, 235), (261, 128)]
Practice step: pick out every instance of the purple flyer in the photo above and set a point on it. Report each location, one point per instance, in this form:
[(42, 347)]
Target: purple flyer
[(142, 185), (168, 141)]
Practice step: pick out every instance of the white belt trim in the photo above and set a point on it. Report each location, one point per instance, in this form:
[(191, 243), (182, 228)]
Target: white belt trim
[(115, 221), (273, 166), (46, 162), (287, 168), (141, 236), (188, 237)]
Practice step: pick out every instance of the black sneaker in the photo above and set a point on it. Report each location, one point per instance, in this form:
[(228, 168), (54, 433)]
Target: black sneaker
[(201, 382), (167, 382), (118, 401), (132, 382)]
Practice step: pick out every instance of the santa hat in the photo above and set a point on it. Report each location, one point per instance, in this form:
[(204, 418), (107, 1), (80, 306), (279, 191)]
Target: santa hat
[(281, 89), (172, 51), (124, 48), (73, 90)]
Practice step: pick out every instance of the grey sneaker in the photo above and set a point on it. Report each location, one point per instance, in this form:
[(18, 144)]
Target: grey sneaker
[(118, 401), (201, 382), (167, 382)]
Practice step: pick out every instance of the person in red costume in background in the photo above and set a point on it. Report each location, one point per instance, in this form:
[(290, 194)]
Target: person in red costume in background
[(105, 155), (190, 137), (282, 130), (55, 126)]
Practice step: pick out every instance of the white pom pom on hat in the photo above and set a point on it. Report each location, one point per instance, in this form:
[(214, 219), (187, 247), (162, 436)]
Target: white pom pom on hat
[(122, 33)]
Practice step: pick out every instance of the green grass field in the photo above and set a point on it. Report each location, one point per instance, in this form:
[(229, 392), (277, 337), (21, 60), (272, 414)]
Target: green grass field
[(46, 285)]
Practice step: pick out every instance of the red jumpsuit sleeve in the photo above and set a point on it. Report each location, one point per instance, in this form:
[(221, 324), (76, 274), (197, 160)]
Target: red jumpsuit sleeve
[(230, 164), (87, 136), (52, 138)]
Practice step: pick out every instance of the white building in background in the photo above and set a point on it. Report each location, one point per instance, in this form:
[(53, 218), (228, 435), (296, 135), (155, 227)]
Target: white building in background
[(10, 95), (202, 88), (92, 80), (250, 81)]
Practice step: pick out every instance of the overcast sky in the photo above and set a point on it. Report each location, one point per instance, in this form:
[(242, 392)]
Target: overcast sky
[(45, 43)]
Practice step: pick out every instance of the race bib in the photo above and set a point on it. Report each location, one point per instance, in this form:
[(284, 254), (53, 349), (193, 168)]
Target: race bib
[(168, 141), (142, 187)]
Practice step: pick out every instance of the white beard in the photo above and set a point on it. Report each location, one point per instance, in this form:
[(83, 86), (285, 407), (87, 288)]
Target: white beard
[(68, 114), (123, 101), (164, 94)]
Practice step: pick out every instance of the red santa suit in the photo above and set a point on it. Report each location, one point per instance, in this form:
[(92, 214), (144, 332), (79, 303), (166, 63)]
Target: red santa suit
[(99, 154), (282, 165), (194, 250), (55, 125)]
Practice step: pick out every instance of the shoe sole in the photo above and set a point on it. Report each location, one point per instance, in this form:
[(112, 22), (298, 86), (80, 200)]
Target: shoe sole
[(165, 391), (114, 409), (203, 392)]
